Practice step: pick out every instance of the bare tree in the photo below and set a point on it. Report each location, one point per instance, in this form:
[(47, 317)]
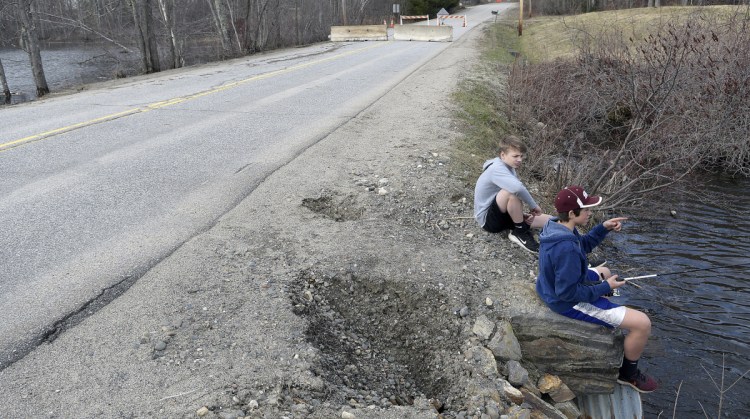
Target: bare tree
[(4, 83), (166, 7), (222, 27), (30, 36), (143, 19)]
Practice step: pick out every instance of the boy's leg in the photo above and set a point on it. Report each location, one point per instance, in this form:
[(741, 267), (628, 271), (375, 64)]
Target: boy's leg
[(510, 204), (606, 313), (639, 329), (540, 220)]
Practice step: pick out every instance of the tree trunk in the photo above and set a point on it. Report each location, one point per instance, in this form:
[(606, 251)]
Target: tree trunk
[(31, 40), (166, 7), (344, 20), (222, 28), (4, 83), (141, 38), (153, 49)]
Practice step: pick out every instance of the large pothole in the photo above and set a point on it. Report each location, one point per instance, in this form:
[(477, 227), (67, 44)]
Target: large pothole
[(380, 343), (334, 206)]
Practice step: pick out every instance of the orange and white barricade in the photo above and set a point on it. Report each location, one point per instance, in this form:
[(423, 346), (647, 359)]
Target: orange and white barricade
[(441, 19)]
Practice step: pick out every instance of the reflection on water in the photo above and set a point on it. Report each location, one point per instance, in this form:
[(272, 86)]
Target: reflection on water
[(700, 319)]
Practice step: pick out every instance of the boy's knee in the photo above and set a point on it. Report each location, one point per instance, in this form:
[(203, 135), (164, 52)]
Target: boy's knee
[(644, 322)]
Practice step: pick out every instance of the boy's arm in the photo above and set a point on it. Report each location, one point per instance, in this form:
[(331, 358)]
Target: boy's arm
[(592, 239), (568, 277)]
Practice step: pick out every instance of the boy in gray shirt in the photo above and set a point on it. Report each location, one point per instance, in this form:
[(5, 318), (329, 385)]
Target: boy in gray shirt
[(499, 197)]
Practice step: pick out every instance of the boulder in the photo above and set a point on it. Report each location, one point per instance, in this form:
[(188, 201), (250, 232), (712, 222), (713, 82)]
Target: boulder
[(504, 344), (585, 356)]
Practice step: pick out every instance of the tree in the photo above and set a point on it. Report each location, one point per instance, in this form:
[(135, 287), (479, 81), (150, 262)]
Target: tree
[(218, 11), (4, 83), (166, 7), (30, 37), (143, 19)]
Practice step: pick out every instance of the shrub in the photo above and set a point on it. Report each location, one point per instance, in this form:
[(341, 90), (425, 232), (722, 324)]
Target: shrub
[(628, 116)]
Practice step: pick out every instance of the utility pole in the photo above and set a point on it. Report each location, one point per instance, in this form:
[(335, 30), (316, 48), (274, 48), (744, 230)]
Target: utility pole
[(343, 13), (520, 18)]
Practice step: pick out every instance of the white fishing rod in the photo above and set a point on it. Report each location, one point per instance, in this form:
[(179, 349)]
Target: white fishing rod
[(631, 278)]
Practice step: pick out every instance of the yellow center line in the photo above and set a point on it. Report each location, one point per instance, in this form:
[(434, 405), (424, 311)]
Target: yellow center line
[(169, 102)]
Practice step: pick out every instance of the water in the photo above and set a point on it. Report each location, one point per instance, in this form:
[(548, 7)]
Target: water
[(66, 67), (701, 320)]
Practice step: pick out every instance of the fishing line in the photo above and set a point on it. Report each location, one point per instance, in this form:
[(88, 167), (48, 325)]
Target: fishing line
[(684, 272)]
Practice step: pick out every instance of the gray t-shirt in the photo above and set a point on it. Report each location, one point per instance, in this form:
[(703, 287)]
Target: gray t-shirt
[(496, 176)]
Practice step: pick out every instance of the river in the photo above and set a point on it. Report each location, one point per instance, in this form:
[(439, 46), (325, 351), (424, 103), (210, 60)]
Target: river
[(701, 319)]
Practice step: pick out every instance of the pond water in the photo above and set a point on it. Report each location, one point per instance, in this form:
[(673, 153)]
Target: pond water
[(66, 67), (701, 319)]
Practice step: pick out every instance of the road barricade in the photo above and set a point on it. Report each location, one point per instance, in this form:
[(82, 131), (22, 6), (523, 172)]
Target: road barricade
[(423, 33), (359, 33)]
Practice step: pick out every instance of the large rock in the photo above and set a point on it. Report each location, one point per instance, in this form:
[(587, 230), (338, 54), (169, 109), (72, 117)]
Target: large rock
[(587, 357)]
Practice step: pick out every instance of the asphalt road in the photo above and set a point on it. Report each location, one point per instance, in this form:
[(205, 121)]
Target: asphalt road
[(99, 186)]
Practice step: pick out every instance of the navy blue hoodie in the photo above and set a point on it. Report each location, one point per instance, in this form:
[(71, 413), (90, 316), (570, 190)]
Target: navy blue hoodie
[(563, 266)]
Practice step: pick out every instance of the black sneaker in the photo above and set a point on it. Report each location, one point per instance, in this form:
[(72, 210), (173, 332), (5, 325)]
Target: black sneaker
[(525, 239)]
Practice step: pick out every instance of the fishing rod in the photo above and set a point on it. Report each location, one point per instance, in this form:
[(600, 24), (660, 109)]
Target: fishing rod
[(684, 272)]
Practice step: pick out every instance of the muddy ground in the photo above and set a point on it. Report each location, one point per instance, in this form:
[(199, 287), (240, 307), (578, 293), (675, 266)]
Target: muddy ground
[(349, 281)]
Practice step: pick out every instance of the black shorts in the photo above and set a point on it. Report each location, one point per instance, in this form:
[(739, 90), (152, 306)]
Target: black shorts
[(497, 220)]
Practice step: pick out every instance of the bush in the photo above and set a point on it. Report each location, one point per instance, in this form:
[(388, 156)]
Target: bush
[(630, 116)]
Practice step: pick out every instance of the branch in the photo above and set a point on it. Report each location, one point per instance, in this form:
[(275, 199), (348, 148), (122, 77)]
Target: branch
[(77, 24)]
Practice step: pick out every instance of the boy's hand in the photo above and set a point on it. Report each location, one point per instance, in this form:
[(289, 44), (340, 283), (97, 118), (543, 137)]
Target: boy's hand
[(614, 283), (529, 218), (536, 211), (614, 223)]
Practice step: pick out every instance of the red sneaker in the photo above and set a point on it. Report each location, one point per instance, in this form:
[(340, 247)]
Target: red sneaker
[(641, 382)]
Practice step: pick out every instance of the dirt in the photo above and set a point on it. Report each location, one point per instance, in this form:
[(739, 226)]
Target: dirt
[(349, 281)]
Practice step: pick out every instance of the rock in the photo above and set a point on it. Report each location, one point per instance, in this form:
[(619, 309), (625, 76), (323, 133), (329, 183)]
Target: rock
[(517, 412), (253, 404), (555, 388), (483, 327), (160, 346), (569, 409), (464, 311), (488, 301), (203, 411), (510, 393), (347, 415), (382, 191), (538, 404), (232, 414), (585, 356), (482, 360), (517, 374), (504, 344)]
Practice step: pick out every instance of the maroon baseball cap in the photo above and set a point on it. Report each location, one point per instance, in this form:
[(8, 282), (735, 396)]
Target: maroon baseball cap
[(574, 197)]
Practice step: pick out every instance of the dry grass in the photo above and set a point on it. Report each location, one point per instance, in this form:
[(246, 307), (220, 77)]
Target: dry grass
[(549, 37)]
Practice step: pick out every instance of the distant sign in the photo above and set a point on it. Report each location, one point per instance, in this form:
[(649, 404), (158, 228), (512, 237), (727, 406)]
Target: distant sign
[(443, 12), (397, 8)]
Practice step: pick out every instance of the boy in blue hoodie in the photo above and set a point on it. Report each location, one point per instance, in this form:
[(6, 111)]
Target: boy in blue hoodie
[(569, 287)]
